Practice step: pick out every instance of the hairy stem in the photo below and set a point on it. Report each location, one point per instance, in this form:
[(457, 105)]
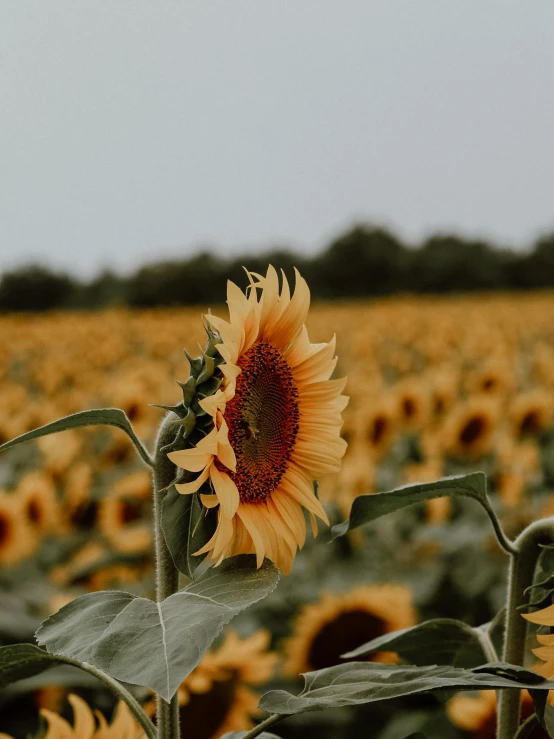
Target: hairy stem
[(167, 575), (522, 570), (265, 724)]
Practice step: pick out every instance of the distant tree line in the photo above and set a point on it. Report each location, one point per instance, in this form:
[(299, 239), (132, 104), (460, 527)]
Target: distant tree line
[(364, 262)]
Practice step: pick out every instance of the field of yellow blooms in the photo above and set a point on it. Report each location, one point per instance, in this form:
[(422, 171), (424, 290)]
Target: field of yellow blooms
[(437, 386)]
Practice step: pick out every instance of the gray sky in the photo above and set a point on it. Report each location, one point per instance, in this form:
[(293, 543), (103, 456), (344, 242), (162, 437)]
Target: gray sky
[(133, 130)]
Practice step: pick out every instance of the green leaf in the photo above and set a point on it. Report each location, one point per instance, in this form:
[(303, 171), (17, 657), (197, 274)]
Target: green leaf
[(549, 719), (355, 683), (369, 507), (95, 417), (20, 661), (187, 526), (156, 645), (241, 734), (543, 711), (440, 641)]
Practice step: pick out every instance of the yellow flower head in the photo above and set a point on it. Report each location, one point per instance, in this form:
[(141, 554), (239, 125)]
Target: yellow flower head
[(277, 419), (123, 725), (338, 623)]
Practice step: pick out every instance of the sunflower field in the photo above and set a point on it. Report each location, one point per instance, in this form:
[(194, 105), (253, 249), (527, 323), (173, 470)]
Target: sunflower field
[(437, 387)]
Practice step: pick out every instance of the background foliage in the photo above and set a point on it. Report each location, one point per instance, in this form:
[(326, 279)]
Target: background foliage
[(365, 261)]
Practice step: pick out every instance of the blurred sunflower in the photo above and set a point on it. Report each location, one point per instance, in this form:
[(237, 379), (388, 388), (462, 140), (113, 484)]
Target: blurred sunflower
[(476, 714), (217, 696), (494, 378), (468, 431), (531, 413), (121, 519), (336, 624), (37, 494), (380, 424), (123, 725), (277, 420), (17, 540), (413, 402)]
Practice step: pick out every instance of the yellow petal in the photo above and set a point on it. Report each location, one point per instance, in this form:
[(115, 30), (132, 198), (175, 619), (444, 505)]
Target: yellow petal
[(209, 501), (191, 460), (226, 491), (83, 719), (545, 617), (58, 728), (191, 487)]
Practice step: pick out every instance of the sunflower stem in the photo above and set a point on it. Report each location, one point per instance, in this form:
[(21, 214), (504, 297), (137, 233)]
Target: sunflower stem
[(265, 724), (167, 575), (522, 570)]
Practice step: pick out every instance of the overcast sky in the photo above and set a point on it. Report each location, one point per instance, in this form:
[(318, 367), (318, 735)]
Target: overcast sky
[(137, 129)]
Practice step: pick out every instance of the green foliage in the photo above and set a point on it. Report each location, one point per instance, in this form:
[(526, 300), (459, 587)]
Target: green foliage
[(440, 641), (20, 661), (365, 261), (156, 644), (95, 417), (356, 683), (187, 526), (366, 508)]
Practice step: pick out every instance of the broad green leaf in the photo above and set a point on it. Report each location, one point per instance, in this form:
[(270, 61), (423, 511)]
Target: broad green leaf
[(20, 661), (241, 734), (549, 719), (355, 683), (156, 644), (543, 712), (369, 507), (95, 417), (187, 526), (440, 641)]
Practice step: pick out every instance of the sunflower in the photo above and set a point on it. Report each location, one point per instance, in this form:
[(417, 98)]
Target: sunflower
[(123, 725), (476, 714), (277, 420), (336, 624), (469, 430), (121, 518), (381, 424), (413, 402), (531, 413), (217, 696), (37, 494), (16, 537)]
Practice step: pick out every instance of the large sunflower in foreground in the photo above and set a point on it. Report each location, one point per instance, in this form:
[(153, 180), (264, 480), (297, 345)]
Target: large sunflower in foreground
[(277, 419)]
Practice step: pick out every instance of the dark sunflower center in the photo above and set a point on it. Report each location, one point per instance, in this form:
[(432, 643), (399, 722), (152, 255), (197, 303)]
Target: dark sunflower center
[(378, 429), (205, 713), (530, 424), (130, 511), (34, 511), (349, 630), (5, 529), (263, 420), (472, 430)]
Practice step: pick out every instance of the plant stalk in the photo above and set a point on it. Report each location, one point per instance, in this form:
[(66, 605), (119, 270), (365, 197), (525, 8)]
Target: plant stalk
[(522, 571), (167, 575), (265, 724)]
